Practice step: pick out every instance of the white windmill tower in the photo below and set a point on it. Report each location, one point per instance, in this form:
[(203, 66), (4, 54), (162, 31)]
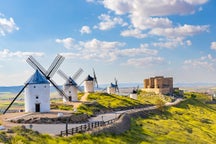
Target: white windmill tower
[(37, 94), (113, 88), (70, 87), (89, 83), (133, 95), (37, 88)]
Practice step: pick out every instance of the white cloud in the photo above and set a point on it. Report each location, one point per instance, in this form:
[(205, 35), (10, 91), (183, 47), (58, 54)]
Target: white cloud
[(142, 50), (67, 42), (146, 61), (152, 15), (85, 30), (213, 45), (107, 22), (107, 51), (189, 43), (196, 2), (146, 8), (172, 43), (204, 62), (181, 31), (90, 1), (6, 53), (96, 49), (7, 25), (144, 23), (133, 33)]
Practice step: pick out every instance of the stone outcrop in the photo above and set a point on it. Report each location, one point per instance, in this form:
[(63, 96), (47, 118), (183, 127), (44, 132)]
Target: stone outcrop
[(46, 120)]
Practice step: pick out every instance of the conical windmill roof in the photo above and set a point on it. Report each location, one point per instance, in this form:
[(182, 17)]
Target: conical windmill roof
[(70, 81), (89, 78), (112, 85), (37, 78)]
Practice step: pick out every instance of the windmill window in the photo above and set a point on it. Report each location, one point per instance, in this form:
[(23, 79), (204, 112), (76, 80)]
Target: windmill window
[(37, 97), (69, 91), (34, 86), (44, 86)]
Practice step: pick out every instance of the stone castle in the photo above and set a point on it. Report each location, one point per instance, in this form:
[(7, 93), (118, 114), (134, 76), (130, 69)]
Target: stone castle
[(159, 85)]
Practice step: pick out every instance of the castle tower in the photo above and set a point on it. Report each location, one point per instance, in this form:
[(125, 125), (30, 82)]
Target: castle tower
[(89, 84), (37, 94)]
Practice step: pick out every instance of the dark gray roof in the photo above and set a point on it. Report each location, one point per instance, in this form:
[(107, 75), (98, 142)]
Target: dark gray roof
[(37, 78), (89, 78), (70, 81), (113, 85)]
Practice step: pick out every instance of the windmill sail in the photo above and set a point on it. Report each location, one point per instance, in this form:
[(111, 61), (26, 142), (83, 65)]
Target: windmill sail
[(50, 72), (71, 79), (95, 78), (55, 65), (15, 98), (116, 85), (77, 74), (35, 65)]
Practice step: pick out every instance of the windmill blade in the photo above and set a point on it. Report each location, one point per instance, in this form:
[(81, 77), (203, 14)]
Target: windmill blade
[(79, 88), (77, 74), (35, 65), (116, 85), (63, 75), (54, 66), (15, 98), (137, 88), (95, 78), (116, 82), (117, 88), (81, 83), (60, 91)]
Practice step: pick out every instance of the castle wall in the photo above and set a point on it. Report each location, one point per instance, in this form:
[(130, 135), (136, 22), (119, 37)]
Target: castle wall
[(159, 85)]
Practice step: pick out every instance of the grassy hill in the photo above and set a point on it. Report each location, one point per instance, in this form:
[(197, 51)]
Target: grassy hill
[(192, 121)]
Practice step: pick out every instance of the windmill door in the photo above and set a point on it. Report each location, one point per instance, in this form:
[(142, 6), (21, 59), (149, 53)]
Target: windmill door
[(37, 107), (70, 98)]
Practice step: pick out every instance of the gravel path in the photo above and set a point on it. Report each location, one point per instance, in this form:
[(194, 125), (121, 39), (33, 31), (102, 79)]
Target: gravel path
[(54, 129)]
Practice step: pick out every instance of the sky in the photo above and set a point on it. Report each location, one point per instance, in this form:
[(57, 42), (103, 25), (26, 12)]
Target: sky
[(129, 40)]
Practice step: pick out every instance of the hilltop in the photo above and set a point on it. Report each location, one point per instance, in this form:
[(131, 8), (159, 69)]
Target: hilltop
[(191, 121)]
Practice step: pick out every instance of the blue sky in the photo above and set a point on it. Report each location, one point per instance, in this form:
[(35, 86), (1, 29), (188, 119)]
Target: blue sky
[(127, 39)]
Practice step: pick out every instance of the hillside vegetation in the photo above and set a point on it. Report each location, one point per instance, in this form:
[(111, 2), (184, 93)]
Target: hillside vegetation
[(192, 121)]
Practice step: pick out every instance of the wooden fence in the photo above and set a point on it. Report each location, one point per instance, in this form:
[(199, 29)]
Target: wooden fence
[(86, 127)]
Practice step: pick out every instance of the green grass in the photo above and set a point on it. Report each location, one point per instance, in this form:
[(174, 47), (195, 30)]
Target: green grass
[(152, 98), (192, 121), (102, 101)]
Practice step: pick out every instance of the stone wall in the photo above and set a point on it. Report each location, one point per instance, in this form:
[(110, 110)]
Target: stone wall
[(123, 123)]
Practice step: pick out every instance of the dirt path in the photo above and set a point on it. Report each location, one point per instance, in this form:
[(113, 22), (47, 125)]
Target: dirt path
[(84, 97)]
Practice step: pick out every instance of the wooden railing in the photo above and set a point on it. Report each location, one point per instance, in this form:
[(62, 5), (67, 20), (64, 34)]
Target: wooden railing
[(86, 127)]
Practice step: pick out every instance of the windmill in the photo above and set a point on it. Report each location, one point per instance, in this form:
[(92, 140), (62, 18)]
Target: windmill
[(46, 74), (133, 94), (70, 87), (113, 88), (90, 82)]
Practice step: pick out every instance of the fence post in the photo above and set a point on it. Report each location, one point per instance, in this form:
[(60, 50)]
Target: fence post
[(66, 127)]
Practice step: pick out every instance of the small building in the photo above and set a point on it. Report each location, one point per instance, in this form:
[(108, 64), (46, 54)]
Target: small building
[(111, 89), (159, 85), (70, 89), (133, 95), (89, 84), (37, 94)]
